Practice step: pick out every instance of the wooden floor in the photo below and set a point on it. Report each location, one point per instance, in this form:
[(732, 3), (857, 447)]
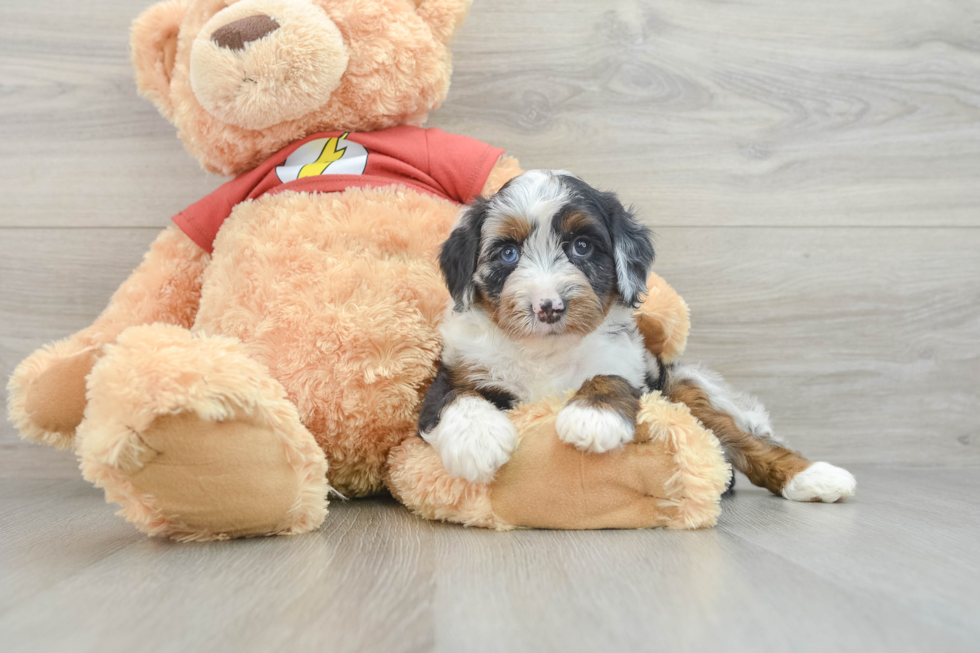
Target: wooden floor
[(812, 171), (893, 571)]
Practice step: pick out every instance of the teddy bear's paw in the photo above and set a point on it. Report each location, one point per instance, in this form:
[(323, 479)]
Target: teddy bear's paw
[(474, 439), (821, 482), (596, 430)]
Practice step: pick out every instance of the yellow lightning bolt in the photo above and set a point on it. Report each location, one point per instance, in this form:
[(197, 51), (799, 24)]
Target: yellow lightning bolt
[(329, 154)]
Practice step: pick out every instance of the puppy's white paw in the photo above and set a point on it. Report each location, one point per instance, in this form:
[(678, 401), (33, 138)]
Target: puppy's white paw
[(474, 439), (595, 430), (821, 482)]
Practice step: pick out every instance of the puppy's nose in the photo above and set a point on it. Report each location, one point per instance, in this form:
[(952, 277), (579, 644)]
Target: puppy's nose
[(235, 35), (549, 310)]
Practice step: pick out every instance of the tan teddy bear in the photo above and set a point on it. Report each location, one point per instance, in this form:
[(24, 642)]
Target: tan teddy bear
[(285, 330)]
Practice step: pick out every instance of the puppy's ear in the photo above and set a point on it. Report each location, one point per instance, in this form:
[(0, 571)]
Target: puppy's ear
[(461, 252), (632, 250)]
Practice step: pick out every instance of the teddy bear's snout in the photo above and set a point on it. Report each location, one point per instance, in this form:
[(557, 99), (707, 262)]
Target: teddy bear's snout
[(235, 35), (258, 63)]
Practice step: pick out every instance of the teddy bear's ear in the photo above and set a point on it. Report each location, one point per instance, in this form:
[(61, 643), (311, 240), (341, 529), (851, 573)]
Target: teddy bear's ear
[(443, 16), (154, 46)]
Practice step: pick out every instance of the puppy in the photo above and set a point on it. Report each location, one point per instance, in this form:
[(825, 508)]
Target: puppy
[(545, 276)]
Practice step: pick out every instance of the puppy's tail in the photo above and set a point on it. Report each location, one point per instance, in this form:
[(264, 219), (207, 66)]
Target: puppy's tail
[(745, 410)]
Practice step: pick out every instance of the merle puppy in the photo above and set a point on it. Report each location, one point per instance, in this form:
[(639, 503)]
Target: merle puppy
[(545, 276)]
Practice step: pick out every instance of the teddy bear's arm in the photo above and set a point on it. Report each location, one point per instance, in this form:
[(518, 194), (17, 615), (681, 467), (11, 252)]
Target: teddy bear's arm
[(46, 397), (664, 320), (166, 287), (503, 171)]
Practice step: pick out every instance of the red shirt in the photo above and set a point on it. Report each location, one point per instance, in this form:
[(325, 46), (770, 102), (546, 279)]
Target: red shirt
[(425, 160)]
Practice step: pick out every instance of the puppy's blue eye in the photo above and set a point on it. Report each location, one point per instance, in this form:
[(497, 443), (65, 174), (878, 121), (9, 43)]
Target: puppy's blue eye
[(509, 254), (581, 247)]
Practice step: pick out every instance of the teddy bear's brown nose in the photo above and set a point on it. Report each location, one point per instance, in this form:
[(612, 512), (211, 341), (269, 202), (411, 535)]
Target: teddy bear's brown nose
[(235, 35)]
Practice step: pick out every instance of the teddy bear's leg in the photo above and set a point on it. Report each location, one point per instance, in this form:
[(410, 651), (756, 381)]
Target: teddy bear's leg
[(46, 394), (196, 441), (750, 445), (671, 474)]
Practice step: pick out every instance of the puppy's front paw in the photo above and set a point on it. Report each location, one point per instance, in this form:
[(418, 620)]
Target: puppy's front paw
[(474, 439), (821, 482), (596, 430)]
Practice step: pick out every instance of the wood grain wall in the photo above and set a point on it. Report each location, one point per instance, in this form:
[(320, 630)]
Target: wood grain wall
[(812, 171)]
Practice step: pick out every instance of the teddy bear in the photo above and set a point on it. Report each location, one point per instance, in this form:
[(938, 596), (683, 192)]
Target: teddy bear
[(276, 341)]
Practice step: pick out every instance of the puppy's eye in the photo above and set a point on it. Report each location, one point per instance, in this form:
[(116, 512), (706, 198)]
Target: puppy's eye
[(581, 247), (509, 254)]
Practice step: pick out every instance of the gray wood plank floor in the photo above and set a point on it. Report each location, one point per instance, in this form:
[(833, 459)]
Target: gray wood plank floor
[(893, 570), (812, 171)]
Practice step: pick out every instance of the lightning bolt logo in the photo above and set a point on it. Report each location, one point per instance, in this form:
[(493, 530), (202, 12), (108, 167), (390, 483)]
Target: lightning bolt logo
[(324, 156), (328, 155)]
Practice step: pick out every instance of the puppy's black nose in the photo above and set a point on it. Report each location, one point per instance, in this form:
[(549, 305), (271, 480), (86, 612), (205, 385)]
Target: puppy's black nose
[(549, 311), (235, 35)]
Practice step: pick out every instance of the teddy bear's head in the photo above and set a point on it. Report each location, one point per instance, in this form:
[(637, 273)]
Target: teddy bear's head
[(243, 79)]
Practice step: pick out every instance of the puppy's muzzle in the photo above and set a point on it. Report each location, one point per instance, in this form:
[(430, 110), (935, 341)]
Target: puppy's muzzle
[(549, 310)]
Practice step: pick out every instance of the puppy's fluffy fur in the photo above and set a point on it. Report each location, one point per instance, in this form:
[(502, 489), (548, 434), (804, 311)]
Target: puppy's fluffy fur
[(545, 276)]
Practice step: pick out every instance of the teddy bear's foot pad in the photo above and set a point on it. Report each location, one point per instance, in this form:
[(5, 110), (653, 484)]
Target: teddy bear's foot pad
[(196, 441), (191, 478), (230, 478)]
